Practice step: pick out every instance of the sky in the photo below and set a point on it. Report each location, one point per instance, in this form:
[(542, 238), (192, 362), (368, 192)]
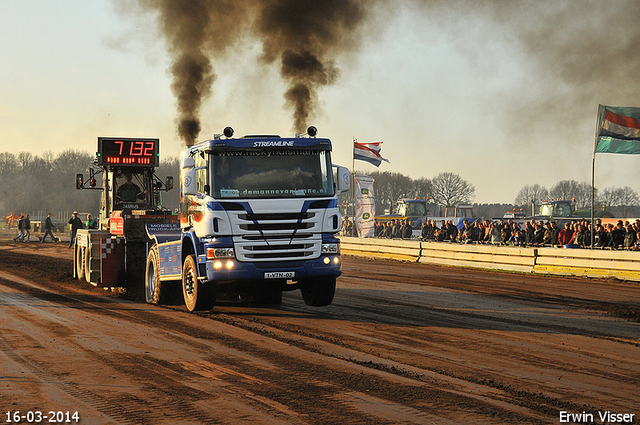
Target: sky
[(504, 94)]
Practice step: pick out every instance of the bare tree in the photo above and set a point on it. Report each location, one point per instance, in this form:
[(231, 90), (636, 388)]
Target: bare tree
[(450, 189), (8, 163), (627, 197), (570, 189), (608, 198), (531, 194), (389, 187), (420, 189), (25, 159), (618, 200)]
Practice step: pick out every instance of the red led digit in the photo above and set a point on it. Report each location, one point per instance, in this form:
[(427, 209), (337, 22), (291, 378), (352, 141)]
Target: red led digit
[(136, 148), (148, 150), (121, 143)]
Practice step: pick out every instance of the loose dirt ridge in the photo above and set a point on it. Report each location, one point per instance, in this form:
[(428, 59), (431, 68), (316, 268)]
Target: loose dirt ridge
[(401, 343)]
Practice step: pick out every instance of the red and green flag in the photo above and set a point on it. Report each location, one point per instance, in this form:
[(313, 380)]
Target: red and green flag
[(618, 130)]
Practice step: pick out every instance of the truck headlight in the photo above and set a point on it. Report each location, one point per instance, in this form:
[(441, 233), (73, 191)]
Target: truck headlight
[(220, 253), (218, 264), (330, 248)]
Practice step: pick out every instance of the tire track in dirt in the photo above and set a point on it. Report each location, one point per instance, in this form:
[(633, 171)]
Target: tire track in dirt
[(408, 343), (337, 379)]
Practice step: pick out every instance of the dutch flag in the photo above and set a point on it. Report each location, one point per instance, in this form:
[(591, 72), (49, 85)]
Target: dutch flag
[(369, 152), (618, 130)]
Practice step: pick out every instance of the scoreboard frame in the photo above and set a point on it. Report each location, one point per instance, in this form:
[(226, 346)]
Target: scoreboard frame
[(128, 152)]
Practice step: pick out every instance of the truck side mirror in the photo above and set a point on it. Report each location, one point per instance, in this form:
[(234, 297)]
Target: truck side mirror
[(188, 162), (79, 181), (342, 179), (169, 183), (189, 186)]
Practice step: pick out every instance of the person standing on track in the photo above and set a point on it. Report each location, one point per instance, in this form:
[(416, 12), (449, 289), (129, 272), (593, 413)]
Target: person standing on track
[(76, 224), (91, 223), (48, 228), (21, 232), (27, 228)]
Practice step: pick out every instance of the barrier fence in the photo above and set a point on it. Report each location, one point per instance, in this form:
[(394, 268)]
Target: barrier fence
[(559, 261)]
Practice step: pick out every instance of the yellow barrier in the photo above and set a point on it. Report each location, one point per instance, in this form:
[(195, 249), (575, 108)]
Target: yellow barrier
[(483, 256), (561, 261), (590, 263), (396, 249)]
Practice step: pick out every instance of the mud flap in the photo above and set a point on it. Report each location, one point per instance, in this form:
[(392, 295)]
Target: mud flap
[(112, 262)]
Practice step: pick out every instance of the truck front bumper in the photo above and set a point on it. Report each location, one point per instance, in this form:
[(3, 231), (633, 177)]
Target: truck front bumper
[(226, 270)]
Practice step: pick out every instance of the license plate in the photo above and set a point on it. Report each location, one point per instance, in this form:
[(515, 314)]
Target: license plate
[(280, 275)]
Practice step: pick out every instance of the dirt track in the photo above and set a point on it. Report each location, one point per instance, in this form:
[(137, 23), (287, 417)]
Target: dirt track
[(401, 343)]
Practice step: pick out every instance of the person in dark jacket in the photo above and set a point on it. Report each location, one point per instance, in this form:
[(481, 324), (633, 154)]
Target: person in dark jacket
[(387, 231), (27, 228), (538, 234), (601, 237), (581, 236), (396, 229), (617, 236), (407, 230), (21, 232), (378, 228), (76, 224), (630, 238), (48, 228), (529, 232)]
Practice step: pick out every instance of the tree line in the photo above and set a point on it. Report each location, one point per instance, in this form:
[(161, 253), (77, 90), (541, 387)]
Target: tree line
[(620, 201), (33, 184), (449, 189), (46, 183)]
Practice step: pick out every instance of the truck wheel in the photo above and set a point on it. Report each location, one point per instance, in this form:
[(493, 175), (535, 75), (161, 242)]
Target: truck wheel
[(158, 291), (319, 291), (152, 283), (196, 295), (87, 264), (79, 262)]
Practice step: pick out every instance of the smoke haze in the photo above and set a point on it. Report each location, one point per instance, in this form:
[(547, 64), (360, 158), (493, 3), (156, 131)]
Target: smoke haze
[(302, 34), (574, 51), (529, 74), (196, 31), (306, 35)]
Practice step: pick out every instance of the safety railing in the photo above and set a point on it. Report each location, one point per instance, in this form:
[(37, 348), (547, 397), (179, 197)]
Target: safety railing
[(561, 261)]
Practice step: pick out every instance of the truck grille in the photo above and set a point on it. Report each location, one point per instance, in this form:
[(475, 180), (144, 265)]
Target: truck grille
[(276, 236)]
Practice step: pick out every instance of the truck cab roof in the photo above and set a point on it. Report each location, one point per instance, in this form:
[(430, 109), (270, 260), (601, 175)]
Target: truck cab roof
[(262, 143)]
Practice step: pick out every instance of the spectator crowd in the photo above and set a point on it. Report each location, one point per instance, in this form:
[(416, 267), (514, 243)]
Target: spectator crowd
[(575, 233)]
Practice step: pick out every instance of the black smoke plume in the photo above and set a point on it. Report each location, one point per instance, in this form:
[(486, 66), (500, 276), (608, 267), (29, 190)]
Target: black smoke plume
[(195, 31), (305, 35)]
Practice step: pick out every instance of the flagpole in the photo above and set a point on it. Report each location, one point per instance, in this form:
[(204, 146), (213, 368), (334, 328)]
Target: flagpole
[(353, 184), (593, 179)]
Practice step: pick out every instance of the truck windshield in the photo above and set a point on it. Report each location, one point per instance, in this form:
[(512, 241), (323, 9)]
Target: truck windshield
[(131, 189), (271, 174), (561, 209), (417, 208)]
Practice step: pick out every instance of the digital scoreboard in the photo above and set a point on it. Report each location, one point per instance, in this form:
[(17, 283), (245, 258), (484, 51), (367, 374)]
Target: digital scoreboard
[(128, 152)]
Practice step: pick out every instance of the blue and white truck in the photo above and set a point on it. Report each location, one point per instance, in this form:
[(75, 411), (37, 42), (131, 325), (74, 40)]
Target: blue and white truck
[(258, 215)]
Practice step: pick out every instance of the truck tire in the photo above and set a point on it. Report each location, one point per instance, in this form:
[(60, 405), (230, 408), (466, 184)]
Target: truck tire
[(79, 262), (196, 295), (87, 264), (154, 290), (319, 291)]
